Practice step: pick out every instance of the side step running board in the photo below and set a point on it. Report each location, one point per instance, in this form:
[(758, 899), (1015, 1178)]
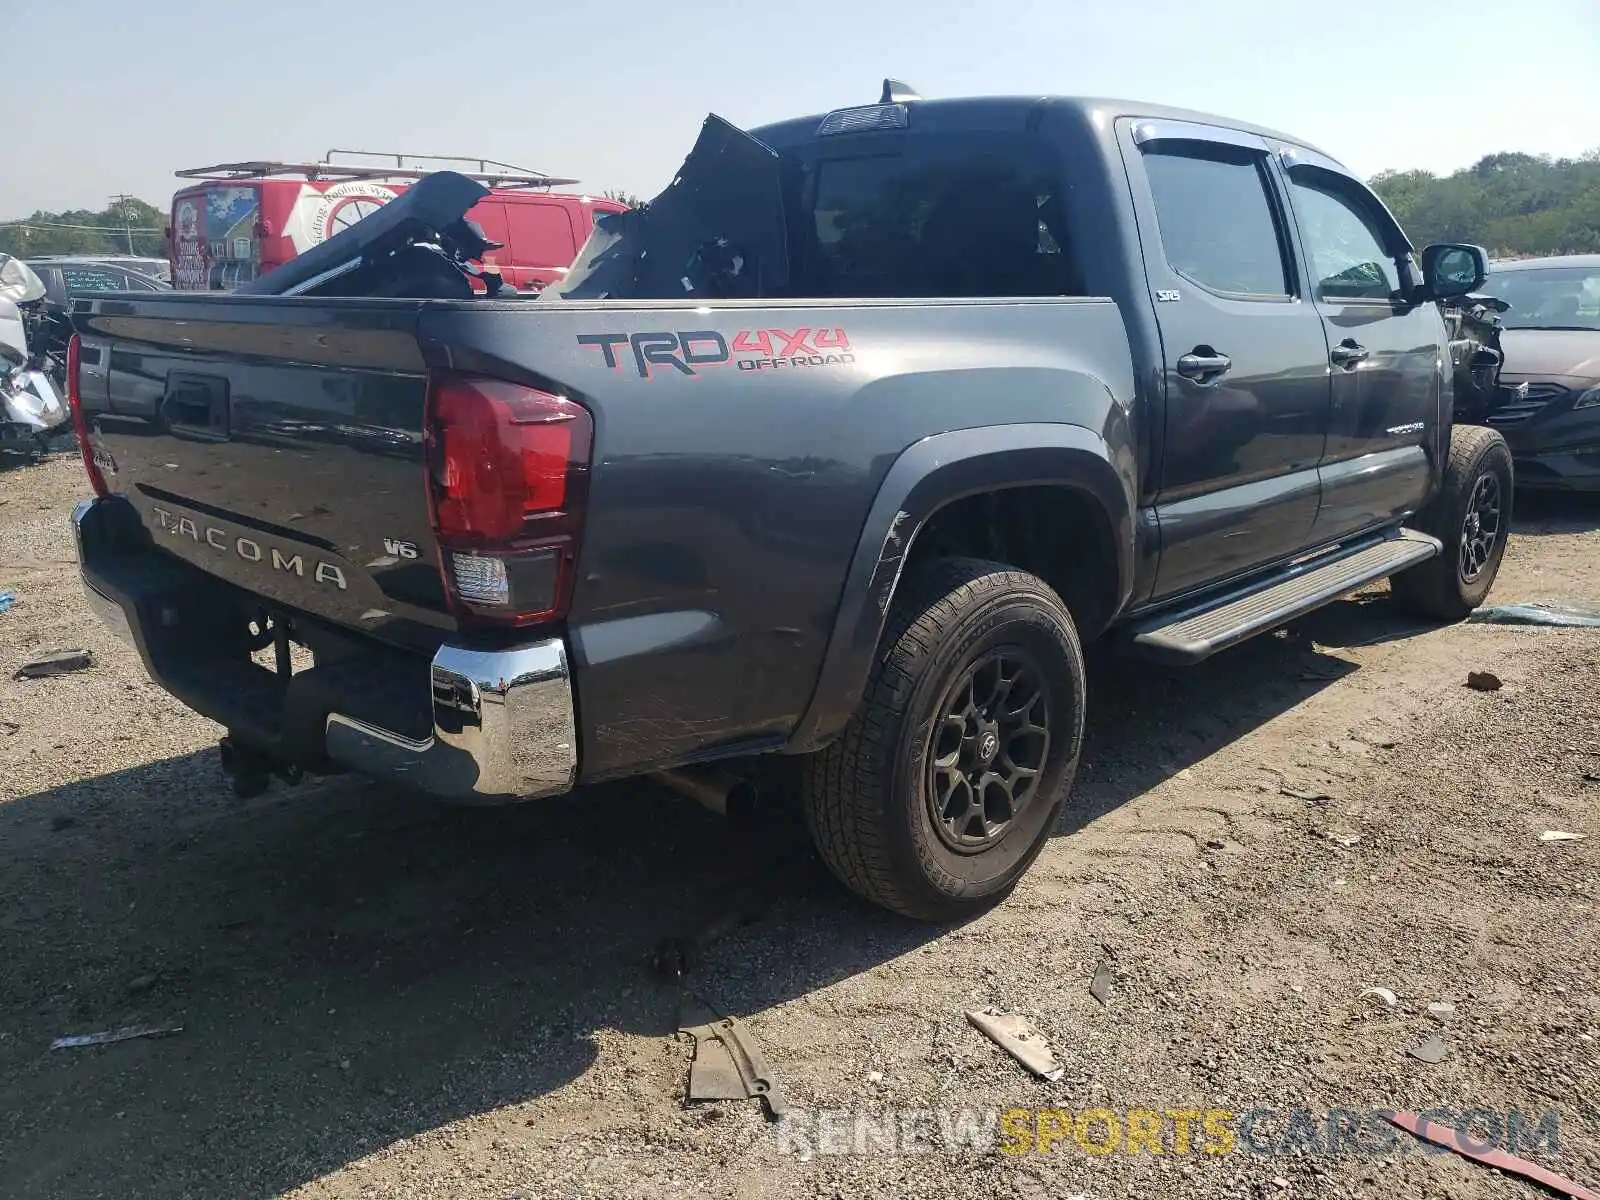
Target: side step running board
[(1201, 630)]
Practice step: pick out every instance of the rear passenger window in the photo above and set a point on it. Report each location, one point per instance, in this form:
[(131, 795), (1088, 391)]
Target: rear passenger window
[(1217, 223), (947, 215)]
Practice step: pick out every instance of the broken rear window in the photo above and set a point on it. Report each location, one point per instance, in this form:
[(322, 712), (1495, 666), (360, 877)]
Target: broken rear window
[(942, 215)]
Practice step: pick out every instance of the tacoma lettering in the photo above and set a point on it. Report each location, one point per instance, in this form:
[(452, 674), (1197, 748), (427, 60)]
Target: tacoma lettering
[(248, 549)]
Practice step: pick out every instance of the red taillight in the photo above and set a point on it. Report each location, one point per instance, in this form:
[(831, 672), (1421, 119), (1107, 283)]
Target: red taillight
[(508, 475), (80, 424)]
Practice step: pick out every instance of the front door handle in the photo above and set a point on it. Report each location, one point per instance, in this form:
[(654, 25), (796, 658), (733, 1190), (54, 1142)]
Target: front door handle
[(1348, 353), (1204, 365)]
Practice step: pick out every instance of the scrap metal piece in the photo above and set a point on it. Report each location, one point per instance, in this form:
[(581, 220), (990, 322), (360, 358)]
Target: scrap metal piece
[(1561, 835), (1100, 985), (1016, 1037), (1567, 616), (1451, 1139), (1383, 994), (113, 1035), (728, 1063), (58, 663), (1432, 1051), (1308, 797)]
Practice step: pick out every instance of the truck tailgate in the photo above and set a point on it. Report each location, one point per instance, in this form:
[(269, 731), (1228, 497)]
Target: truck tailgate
[(277, 444)]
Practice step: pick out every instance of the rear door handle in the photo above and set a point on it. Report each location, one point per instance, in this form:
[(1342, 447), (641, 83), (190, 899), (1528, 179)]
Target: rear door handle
[(1348, 353), (1203, 365)]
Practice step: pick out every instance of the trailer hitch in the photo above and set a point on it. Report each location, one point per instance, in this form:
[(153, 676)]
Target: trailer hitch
[(251, 770)]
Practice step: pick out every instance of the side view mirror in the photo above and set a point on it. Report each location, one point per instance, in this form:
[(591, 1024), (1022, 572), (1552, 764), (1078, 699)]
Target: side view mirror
[(1453, 269)]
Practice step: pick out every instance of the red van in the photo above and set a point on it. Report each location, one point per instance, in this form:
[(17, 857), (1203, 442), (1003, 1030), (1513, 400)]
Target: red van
[(243, 219)]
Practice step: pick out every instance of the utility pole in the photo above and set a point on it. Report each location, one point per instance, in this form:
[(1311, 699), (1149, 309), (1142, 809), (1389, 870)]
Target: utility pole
[(121, 201)]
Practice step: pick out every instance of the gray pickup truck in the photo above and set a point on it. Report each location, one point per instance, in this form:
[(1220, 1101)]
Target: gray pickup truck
[(829, 459)]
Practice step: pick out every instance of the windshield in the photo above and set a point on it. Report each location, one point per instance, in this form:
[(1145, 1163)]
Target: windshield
[(1548, 297)]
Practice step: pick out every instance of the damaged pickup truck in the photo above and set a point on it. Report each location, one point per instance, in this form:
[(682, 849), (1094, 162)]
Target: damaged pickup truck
[(833, 457)]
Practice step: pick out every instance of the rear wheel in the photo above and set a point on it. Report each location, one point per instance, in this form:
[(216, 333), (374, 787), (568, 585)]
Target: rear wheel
[(949, 780), (1471, 516)]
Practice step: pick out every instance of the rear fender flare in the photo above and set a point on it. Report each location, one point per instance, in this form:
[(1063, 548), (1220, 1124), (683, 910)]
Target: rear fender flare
[(927, 476)]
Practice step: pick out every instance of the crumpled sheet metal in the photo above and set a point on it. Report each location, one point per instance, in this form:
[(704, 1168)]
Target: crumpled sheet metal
[(1022, 1041), (728, 1064), (1567, 616)]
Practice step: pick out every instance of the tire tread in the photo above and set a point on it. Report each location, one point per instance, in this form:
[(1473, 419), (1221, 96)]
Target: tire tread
[(1432, 589), (843, 780)]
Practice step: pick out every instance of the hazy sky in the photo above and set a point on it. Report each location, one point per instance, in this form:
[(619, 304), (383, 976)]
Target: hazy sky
[(123, 93)]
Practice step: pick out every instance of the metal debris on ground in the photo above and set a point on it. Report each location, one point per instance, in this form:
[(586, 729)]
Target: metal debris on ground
[(1100, 985), (1561, 835), (58, 663), (728, 1064), (7, 599), (1016, 1037), (1566, 616), (1381, 993), (1484, 681), (1500, 1160), (1308, 797), (1432, 1051), (73, 1041)]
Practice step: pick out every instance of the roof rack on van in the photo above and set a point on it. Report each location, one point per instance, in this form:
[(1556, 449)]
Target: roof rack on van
[(486, 171)]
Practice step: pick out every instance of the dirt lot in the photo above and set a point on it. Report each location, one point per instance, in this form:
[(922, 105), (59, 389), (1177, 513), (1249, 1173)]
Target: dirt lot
[(381, 997)]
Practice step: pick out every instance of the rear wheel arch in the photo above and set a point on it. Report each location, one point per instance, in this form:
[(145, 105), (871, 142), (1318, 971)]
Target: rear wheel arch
[(931, 499), (1057, 531)]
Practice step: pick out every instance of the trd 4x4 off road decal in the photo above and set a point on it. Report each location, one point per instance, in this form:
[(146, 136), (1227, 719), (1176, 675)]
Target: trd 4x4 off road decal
[(752, 349)]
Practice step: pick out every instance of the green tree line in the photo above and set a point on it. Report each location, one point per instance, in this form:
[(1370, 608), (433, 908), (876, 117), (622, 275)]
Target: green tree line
[(81, 231), (1514, 205)]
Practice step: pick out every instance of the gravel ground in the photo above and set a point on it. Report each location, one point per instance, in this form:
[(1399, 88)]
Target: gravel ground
[(382, 997)]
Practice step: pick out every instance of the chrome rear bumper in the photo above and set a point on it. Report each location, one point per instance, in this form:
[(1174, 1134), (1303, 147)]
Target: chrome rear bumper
[(503, 722), (503, 729)]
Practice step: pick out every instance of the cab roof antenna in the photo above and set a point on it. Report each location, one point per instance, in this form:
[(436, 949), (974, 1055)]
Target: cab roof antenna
[(896, 91)]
